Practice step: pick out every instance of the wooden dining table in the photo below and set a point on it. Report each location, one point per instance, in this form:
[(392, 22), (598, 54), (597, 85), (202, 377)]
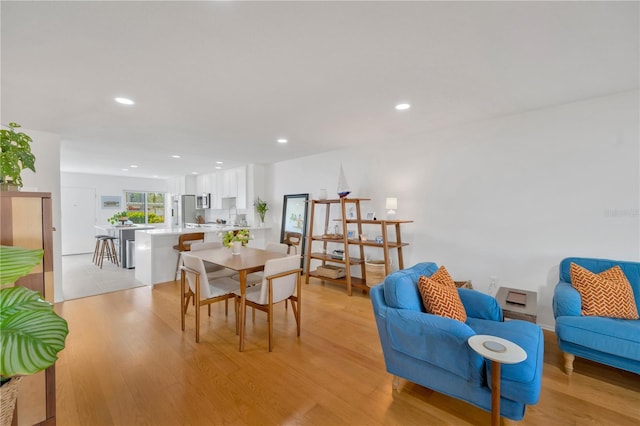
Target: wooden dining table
[(249, 260)]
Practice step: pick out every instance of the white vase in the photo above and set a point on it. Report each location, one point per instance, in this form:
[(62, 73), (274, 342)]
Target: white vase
[(235, 247), (323, 194)]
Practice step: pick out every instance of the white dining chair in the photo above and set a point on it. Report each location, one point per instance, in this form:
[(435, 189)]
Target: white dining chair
[(204, 291), (281, 281)]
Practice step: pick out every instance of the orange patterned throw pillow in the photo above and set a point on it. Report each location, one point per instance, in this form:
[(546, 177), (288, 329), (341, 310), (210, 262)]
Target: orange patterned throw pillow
[(440, 295), (607, 294)]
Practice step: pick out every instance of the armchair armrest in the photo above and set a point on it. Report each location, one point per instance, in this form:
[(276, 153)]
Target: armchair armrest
[(480, 305), (566, 300), (439, 341)]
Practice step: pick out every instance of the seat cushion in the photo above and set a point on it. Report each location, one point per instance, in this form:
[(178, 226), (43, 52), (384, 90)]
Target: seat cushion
[(522, 381), (613, 336)]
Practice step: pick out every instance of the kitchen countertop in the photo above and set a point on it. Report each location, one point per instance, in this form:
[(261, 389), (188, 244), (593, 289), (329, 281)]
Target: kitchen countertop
[(125, 227), (201, 228)]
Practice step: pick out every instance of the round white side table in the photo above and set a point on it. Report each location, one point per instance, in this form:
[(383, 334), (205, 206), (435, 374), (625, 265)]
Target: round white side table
[(499, 351)]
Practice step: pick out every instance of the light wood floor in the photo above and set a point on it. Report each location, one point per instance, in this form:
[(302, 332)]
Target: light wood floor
[(128, 363)]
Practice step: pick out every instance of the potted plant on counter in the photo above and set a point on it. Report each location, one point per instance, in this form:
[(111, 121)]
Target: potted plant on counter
[(118, 217), (261, 208), (31, 333), (16, 156), (235, 239)]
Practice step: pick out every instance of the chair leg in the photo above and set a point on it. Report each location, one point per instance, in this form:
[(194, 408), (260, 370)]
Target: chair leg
[(236, 302), (295, 306), (101, 257), (568, 362), (270, 319), (96, 251), (114, 253), (178, 265), (183, 303), (196, 297)]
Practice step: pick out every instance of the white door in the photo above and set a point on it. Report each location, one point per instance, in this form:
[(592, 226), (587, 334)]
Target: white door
[(78, 220)]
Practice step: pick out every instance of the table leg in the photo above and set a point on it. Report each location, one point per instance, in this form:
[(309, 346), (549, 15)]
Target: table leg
[(495, 393), (242, 312)]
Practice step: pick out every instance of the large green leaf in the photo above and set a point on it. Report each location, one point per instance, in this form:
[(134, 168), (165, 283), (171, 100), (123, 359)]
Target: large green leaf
[(31, 334), (16, 262)]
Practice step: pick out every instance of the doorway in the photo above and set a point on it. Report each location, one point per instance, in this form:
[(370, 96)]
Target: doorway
[(78, 220)]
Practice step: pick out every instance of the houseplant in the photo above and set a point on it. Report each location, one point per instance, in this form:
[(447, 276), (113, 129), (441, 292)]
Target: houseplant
[(261, 208), (120, 216), (31, 333), (240, 235), (16, 156)]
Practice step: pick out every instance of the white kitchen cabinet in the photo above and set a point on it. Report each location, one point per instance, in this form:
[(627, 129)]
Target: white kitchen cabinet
[(216, 192), (241, 182), (176, 185), (203, 184), (229, 183)]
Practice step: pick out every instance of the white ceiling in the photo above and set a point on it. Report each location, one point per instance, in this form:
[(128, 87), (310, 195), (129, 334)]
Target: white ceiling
[(223, 80)]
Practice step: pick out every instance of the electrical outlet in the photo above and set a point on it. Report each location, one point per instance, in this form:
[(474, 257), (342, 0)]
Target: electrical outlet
[(493, 285)]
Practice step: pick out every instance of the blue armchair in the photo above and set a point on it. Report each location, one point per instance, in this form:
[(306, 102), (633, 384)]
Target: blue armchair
[(432, 351), (610, 341)]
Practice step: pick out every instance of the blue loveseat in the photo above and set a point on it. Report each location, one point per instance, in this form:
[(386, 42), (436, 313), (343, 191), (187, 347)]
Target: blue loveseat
[(610, 341), (432, 351)]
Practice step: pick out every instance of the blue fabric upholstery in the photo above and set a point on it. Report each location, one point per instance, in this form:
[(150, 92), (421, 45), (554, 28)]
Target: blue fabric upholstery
[(611, 341), (433, 351)]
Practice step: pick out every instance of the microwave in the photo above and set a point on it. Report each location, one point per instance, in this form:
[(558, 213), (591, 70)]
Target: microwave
[(203, 201)]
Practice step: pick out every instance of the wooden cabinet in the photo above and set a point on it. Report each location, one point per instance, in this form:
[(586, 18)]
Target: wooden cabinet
[(322, 244), (27, 222)]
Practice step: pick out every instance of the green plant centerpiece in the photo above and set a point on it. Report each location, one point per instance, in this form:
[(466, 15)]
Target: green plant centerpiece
[(16, 156), (31, 333), (262, 208), (118, 217), (241, 235)]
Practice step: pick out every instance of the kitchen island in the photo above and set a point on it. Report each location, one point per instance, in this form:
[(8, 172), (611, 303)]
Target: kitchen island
[(123, 233), (156, 258)]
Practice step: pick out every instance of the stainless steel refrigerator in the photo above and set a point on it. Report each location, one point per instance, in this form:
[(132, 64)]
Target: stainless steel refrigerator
[(184, 210)]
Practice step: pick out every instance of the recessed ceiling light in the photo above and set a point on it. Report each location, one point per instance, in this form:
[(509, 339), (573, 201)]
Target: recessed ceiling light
[(155, 176), (194, 173), (282, 140), (124, 101), (218, 167), (133, 166), (218, 162), (402, 107), (125, 170), (175, 156)]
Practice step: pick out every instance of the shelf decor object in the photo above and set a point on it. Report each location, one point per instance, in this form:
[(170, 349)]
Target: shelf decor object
[(334, 248), (343, 186), (391, 205)]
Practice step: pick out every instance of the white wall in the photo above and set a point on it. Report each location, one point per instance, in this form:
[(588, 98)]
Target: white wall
[(46, 148), (507, 197), (111, 185)]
